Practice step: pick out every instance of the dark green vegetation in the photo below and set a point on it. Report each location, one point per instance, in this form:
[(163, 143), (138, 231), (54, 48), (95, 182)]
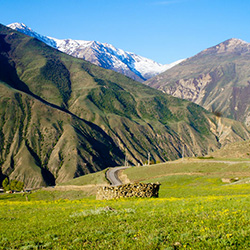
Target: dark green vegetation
[(217, 78), (12, 185), (196, 210), (63, 117)]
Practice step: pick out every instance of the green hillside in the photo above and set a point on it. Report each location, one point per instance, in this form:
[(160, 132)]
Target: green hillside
[(62, 117)]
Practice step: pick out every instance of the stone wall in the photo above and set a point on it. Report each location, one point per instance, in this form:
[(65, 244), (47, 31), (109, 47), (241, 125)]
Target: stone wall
[(128, 190)]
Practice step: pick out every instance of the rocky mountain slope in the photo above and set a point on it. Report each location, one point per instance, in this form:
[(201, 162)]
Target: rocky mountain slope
[(102, 54), (63, 117), (234, 151), (217, 78)]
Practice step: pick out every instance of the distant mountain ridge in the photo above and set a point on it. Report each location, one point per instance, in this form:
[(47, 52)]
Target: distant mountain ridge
[(217, 78), (102, 54)]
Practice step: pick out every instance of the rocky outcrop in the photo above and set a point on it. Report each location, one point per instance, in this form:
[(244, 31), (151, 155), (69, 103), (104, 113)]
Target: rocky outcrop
[(229, 180), (193, 89), (128, 190)]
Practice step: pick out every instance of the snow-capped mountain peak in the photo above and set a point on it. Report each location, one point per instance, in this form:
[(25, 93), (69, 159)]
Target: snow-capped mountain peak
[(102, 54), (18, 26), (21, 27)]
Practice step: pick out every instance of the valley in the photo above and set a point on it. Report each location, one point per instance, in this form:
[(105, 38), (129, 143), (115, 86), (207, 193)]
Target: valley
[(63, 117), (104, 148), (65, 122)]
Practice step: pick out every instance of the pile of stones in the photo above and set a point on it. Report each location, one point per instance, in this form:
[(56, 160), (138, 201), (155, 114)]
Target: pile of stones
[(128, 190), (229, 180)]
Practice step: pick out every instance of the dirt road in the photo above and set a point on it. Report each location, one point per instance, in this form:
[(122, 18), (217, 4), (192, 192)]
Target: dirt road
[(112, 175)]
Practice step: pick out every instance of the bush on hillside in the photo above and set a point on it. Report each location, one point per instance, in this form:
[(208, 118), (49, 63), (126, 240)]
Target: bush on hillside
[(12, 185)]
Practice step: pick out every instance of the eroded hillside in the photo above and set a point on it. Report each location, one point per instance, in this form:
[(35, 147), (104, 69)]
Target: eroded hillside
[(62, 117), (216, 78)]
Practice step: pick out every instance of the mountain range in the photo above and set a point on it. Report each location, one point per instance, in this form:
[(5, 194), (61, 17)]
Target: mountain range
[(63, 117), (102, 54), (218, 78)]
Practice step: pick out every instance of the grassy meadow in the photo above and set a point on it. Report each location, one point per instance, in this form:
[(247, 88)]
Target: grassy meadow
[(195, 210)]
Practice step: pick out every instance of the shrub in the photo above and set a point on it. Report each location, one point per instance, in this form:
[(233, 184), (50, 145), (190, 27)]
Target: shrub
[(5, 184), (12, 185)]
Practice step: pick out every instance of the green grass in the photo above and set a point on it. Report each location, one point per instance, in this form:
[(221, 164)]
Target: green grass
[(191, 166), (46, 195), (210, 222), (193, 177), (194, 211), (89, 179)]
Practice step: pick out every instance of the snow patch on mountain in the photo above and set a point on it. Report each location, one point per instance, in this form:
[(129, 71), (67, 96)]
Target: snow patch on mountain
[(102, 54)]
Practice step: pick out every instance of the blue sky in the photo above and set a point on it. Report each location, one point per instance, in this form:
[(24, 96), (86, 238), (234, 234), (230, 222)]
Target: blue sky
[(164, 31)]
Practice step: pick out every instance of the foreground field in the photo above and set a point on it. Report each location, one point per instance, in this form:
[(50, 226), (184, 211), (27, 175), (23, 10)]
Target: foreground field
[(196, 210), (212, 222)]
